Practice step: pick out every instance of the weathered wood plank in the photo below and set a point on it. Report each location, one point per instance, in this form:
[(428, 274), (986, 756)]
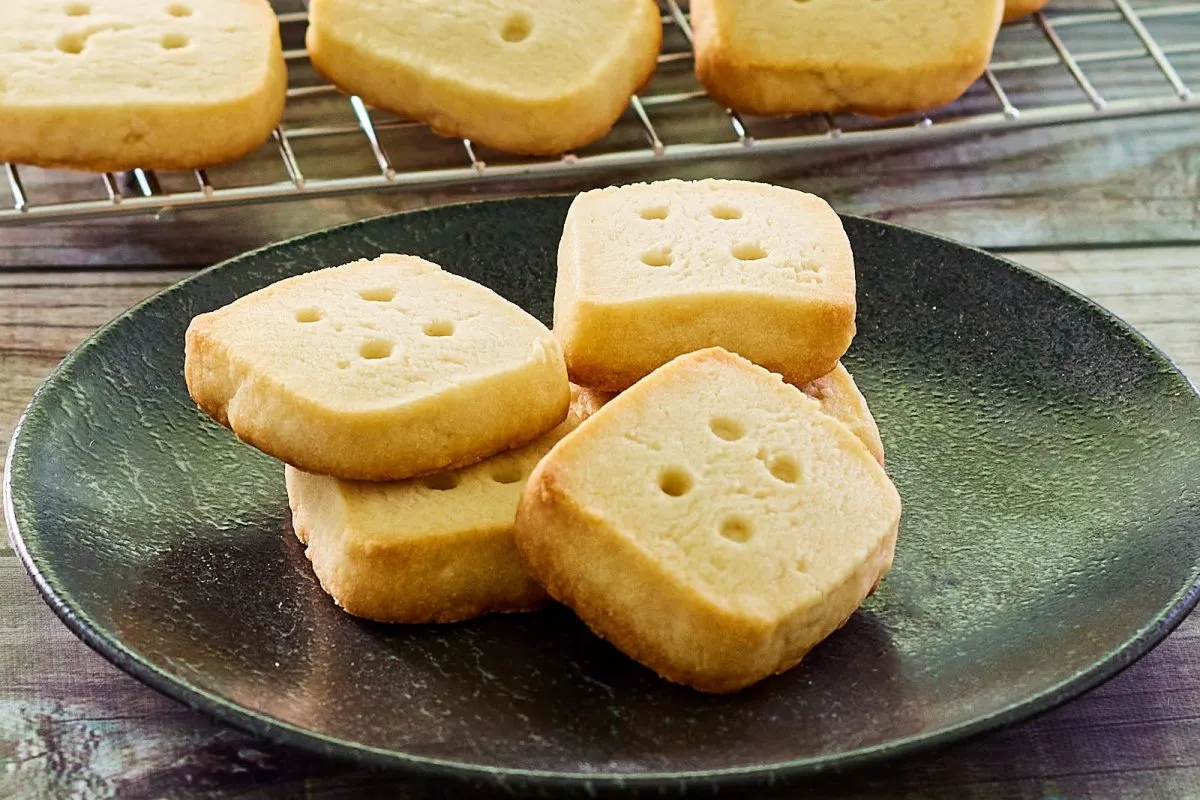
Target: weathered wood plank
[(20, 375)]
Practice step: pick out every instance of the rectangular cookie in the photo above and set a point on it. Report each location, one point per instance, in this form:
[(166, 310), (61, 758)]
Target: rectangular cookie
[(525, 76), (711, 522), (377, 370), (650, 271), (432, 549), (772, 57), (108, 85)]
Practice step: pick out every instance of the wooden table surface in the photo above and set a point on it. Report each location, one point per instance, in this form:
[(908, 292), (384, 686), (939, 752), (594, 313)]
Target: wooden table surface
[(1065, 202)]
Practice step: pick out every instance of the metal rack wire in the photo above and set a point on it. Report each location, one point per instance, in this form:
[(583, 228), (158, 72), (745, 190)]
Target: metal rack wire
[(1035, 79)]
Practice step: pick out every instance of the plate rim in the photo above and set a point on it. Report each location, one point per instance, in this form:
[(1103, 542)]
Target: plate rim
[(288, 734)]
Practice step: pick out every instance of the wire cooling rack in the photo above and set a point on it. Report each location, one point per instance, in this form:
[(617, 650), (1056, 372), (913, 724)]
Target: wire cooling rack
[(1086, 60)]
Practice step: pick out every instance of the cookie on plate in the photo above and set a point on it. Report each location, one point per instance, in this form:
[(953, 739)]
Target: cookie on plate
[(432, 549), (711, 522), (840, 398), (377, 370), (837, 393), (650, 271)]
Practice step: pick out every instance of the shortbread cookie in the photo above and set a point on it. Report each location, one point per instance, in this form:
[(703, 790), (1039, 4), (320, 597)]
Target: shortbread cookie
[(432, 549), (1015, 9), (585, 401), (711, 522), (377, 370), (527, 76), (117, 84), (841, 399), (787, 57), (837, 393), (648, 272)]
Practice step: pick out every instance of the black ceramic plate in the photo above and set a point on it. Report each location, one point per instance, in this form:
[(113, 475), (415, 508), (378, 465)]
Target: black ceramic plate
[(1048, 457)]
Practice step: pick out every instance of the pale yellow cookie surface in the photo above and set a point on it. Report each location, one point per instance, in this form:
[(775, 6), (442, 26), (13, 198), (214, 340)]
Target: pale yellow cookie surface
[(837, 393), (881, 57), (377, 370), (647, 272), (432, 549), (118, 84), (711, 521), (527, 76), (1016, 9)]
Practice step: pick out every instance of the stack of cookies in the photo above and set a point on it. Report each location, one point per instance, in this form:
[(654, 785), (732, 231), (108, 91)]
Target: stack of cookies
[(713, 501), (375, 382)]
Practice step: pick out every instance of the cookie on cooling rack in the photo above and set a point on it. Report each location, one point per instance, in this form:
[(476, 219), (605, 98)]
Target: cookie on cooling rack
[(526, 76), (1015, 9), (109, 85), (783, 57)]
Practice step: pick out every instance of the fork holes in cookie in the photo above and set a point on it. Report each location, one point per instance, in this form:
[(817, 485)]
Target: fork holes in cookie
[(727, 428), (784, 468), (439, 327), (377, 295), (659, 257), (516, 28), (726, 212), (507, 473), (71, 43), (374, 349), (655, 212), (808, 271), (78, 10), (307, 315), (748, 251), (736, 529), (675, 481), (179, 10), (174, 41), (441, 481)]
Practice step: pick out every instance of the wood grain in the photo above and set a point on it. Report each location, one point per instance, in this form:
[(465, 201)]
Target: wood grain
[(73, 725)]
